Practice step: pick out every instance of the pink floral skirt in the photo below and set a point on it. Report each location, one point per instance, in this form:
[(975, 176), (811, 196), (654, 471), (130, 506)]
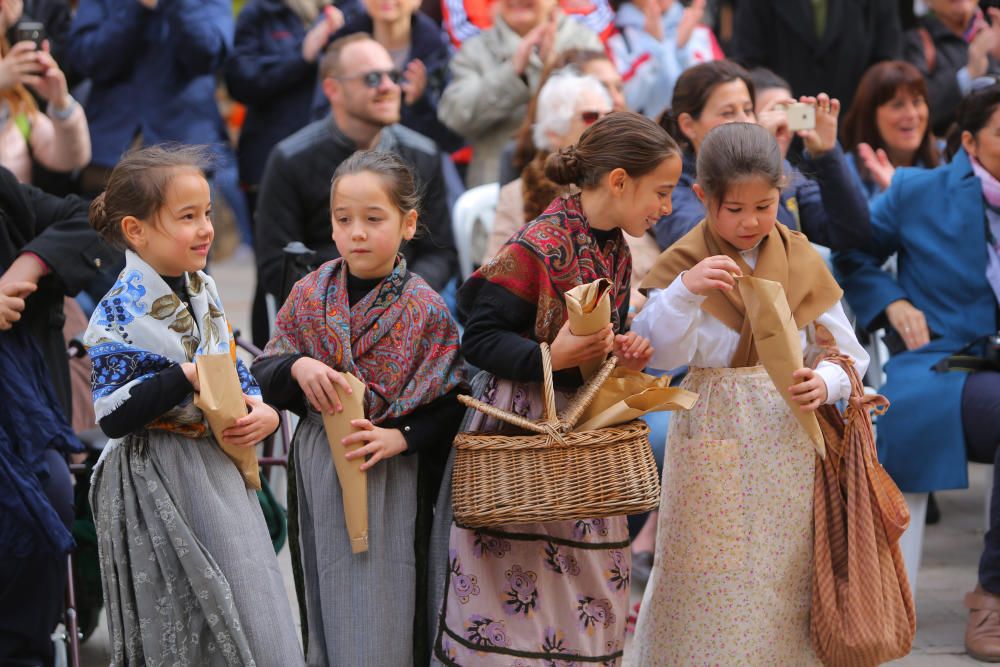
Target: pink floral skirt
[(534, 594)]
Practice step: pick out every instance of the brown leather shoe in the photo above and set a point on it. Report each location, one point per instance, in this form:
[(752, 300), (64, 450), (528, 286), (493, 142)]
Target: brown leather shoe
[(982, 634)]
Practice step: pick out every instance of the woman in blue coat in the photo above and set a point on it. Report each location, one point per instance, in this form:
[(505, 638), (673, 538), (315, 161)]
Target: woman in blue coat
[(943, 224)]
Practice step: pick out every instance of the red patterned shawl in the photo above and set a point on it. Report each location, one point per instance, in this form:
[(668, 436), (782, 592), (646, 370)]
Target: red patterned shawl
[(554, 253), (400, 339)]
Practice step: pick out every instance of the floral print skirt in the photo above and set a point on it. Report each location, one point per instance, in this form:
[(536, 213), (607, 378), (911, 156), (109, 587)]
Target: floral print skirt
[(732, 579), (534, 594)]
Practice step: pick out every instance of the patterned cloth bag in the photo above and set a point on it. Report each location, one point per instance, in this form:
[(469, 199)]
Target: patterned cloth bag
[(862, 608)]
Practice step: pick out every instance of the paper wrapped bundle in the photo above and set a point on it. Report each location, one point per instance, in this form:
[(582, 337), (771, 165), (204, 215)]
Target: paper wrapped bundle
[(779, 346), (353, 483), (589, 308), (628, 395), (221, 399)]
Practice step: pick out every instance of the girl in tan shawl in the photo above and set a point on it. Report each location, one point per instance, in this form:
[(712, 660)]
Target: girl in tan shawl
[(731, 582)]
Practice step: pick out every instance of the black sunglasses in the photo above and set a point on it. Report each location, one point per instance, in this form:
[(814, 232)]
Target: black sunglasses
[(373, 79)]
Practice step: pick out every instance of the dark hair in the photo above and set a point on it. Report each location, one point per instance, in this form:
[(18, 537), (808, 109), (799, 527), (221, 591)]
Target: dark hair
[(623, 140), (393, 172), (878, 86), (329, 66), (735, 151), (575, 59), (693, 89), (972, 115), (138, 186), (763, 79)]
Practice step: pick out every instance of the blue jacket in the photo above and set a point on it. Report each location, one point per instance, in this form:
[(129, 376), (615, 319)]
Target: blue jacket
[(153, 71), (430, 46), (828, 208), (936, 222), (268, 74)]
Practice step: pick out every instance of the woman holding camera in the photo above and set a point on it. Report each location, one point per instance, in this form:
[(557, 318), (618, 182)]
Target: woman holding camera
[(945, 225), (830, 210)]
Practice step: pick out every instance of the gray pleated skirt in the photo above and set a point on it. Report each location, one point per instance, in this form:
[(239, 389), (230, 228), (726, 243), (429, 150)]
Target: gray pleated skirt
[(360, 607), (187, 565)]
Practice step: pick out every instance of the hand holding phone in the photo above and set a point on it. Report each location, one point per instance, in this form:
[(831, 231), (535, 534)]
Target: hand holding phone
[(31, 31), (801, 116)]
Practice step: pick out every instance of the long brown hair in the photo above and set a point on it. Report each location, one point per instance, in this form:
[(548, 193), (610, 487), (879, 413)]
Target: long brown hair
[(693, 89), (17, 97), (877, 87)]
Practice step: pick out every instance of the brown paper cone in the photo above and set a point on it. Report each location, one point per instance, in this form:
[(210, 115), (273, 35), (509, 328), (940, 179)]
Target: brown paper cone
[(779, 345), (589, 308), (221, 399), (621, 384), (655, 399), (353, 483)]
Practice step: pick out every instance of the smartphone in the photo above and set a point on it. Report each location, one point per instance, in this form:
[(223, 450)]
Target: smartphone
[(801, 116), (31, 31)]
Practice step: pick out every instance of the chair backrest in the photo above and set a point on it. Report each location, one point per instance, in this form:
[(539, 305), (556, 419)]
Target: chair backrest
[(472, 222)]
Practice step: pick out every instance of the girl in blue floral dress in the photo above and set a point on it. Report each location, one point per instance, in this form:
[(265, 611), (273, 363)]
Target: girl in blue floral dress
[(188, 570)]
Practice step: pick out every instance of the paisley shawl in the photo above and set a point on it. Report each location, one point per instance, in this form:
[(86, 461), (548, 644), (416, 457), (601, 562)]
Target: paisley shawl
[(141, 327), (554, 253), (400, 339)]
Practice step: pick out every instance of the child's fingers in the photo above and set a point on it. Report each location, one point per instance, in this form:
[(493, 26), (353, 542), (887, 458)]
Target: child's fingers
[(358, 438), (340, 380), (329, 394), (803, 374), (363, 423), (377, 456), (320, 398)]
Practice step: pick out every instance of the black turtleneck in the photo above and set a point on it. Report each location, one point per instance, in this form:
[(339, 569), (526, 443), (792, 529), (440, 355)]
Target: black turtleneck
[(152, 397), (426, 427)]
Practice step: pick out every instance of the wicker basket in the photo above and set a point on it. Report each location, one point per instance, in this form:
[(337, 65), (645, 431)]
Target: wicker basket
[(552, 474)]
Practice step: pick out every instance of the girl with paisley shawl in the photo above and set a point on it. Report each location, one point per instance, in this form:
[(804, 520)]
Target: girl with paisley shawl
[(732, 579), (366, 314), (543, 594), (187, 565)]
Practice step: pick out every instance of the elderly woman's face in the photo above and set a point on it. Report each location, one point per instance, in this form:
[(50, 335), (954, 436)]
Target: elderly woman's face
[(985, 144), (523, 15), (589, 108)]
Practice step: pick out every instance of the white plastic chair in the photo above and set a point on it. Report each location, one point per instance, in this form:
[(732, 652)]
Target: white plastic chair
[(472, 222)]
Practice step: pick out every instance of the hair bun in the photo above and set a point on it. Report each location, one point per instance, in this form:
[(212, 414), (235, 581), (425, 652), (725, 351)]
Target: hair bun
[(98, 215), (564, 166)]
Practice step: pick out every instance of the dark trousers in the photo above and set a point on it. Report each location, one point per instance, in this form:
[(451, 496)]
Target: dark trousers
[(32, 589), (981, 421)]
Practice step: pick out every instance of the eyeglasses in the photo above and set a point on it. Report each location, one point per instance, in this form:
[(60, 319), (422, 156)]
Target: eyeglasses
[(373, 79), (591, 117)]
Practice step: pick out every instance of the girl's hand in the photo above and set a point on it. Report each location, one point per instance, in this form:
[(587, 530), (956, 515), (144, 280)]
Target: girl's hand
[(21, 61), (191, 373), (12, 296), (317, 381), (810, 392), (633, 351), (717, 272), (823, 139), (414, 82), (569, 351), (878, 165), (50, 82), (909, 322), (379, 443), (317, 37), (260, 423), (690, 19)]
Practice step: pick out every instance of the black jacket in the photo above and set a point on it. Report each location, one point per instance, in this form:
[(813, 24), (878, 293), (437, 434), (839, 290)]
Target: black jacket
[(940, 63), (267, 73), (294, 201), (781, 35), (55, 229)]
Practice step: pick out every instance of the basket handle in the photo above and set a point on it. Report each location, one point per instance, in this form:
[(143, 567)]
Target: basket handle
[(548, 389), (586, 395)]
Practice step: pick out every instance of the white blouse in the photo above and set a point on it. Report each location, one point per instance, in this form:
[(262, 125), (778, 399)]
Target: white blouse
[(682, 334)]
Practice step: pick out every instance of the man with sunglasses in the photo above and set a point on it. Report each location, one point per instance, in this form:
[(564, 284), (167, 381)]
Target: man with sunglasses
[(362, 84)]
